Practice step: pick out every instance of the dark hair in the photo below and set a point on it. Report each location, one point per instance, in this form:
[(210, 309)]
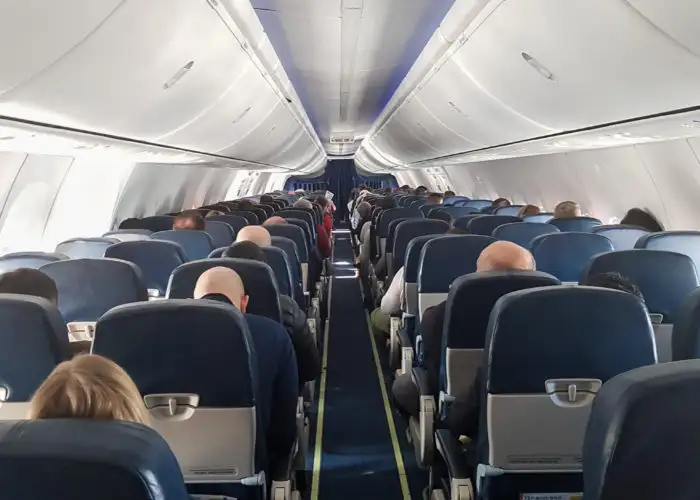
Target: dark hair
[(192, 216), (614, 281), (321, 200), (25, 281), (131, 223), (642, 218), (421, 190), (501, 202), (456, 230), (449, 194), (245, 204), (386, 203), (245, 250)]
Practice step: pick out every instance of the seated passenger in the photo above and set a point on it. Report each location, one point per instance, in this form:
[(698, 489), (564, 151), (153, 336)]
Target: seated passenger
[(529, 210), (500, 203), (189, 219), (256, 234), (278, 387), (463, 418), (25, 281), (642, 218), (448, 194), (434, 199), (421, 190), (567, 210), (89, 386), (498, 256), (327, 218), (293, 318), (275, 219), (323, 241)]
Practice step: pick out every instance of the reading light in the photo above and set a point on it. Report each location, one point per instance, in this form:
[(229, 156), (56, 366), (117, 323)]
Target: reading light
[(538, 66), (178, 75)]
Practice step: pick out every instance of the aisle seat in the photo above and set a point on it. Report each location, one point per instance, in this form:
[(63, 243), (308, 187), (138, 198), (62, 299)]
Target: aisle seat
[(463, 221), (385, 218), (296, 235), (406, 231)]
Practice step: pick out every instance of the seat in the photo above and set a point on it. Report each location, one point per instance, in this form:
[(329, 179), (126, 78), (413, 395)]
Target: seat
[(390, 239), (522, 234), (128, 234), (440, 215), (156, 259), (235, 221), (250, 217), (685, 242), (157, 223), (277, 259), (448, 202), (566, 255), (389, 215), (410, 271), (685, 339), (463, 221), (549, 352), (513, 210), (426, 209), (576, 224), (477, 204), (87, 459), (542, 217), (268, 209), (85, 248), (406, 231), (35, 340), (260, 214), (258, 280), (295, 234), (197, 244), (290, 249), (434, 277), (32, 260), (455, 212), (221, 233), (623, 237), (666, 279), (486, 224), (308, 232), (202, 397), (88, 288), (308, 217), (642, 435)]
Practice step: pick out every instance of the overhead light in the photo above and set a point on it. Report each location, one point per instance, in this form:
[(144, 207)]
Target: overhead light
[(178, 75), (538, 66)]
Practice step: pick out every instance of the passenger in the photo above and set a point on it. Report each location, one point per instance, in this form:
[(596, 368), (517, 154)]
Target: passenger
[(92, 387), (463, 419), (278, 386), (189, 219), (642, 218), (212, 213), (421, 190), (327, 219), (500, 203), (567, 210), (257, 234), (302, 203), (529, 210), (448, 194), (434, 199), (25, 281), (498, 256), (293, 318), (275, 219)]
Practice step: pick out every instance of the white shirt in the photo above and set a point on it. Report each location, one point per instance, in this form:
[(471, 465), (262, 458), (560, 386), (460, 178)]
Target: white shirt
[(394, 296)]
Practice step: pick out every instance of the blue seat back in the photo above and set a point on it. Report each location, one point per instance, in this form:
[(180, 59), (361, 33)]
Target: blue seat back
[(88, 288), (85, 248), (391, 236), (277, 259), (290, 249), (426, 209), (250, 217), (293, 233), (448, 202), (644, 420), (522, 234), (197, 244), (392, 214), (478, 204), (686, 329), (293, 213), (87, 459), (31, 260), (576, 224), (157, 223), (128, 234), (235, 221), (156, 259), (409, 229), (513, 210), (685, 242), (565, 255), (543, 217), (455, 212), (623, 237), (221, 233), (34, 340), (258, 280), (463, 221), (486, 224)]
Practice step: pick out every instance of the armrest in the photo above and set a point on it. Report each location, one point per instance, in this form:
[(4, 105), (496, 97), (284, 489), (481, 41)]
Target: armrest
[(420, 378), (404, 339), (451, 451)]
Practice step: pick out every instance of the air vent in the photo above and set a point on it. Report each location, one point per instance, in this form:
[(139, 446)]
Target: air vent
[(338, 139)]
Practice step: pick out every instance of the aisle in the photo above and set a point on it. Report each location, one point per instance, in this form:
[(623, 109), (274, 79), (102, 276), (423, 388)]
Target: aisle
[(356, 456)]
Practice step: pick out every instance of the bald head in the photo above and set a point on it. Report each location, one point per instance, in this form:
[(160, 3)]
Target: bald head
[(223, 281), (275, 219), (256, 234), (505, 256)]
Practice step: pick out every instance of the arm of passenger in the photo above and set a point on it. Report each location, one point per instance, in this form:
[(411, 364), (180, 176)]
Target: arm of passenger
[(464, 414), (283, 428), (324, 242), (391, 302), (431, 332)]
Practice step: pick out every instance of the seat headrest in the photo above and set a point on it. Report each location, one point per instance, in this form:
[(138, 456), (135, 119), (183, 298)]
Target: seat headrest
[(198, 346), (197, 244), (664, 278), (563, 333), (642, 440), (455, 212), (221, 233), (157, 223), (623, 237), (485, 224), (235, 221), (685, 242), (87, 459), (294, 233), (523, 234), (479, 204), (288, 245), (34, 340), (472, 297), (85, 248), (88, 288), (409, 229), (309, 233), (128, 234), (277, 259), (461, 252), (413, 256), (463, 221), (685, 339), (513, 210), (541, 217), (258, 280), (577, 224), (392, 214), (565, 255), (32, 260)]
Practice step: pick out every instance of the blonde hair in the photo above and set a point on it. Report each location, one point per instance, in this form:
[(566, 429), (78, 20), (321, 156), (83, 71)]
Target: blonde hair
[(89, 386), (567, 209), (529, 210)]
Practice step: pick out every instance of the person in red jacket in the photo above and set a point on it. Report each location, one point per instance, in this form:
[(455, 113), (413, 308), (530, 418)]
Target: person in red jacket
[(327, 218), (323, 239)]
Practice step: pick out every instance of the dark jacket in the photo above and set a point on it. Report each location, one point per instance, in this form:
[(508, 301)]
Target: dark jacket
[(308, 358)]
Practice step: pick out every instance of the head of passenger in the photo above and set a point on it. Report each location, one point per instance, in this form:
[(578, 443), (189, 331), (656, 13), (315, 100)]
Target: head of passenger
[(364, 209), (275, 219), (449, 194), (614, 281), (642, 218), (302, 203), (266, 199), (421, 190), (257, 234), (567, 210), (89, 386), (25, 281), (529, 210), (189, 219), (222, 282), (434, 199), (323, 201), (500, 203), (245, 205), (245, 250), (505, 256)]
